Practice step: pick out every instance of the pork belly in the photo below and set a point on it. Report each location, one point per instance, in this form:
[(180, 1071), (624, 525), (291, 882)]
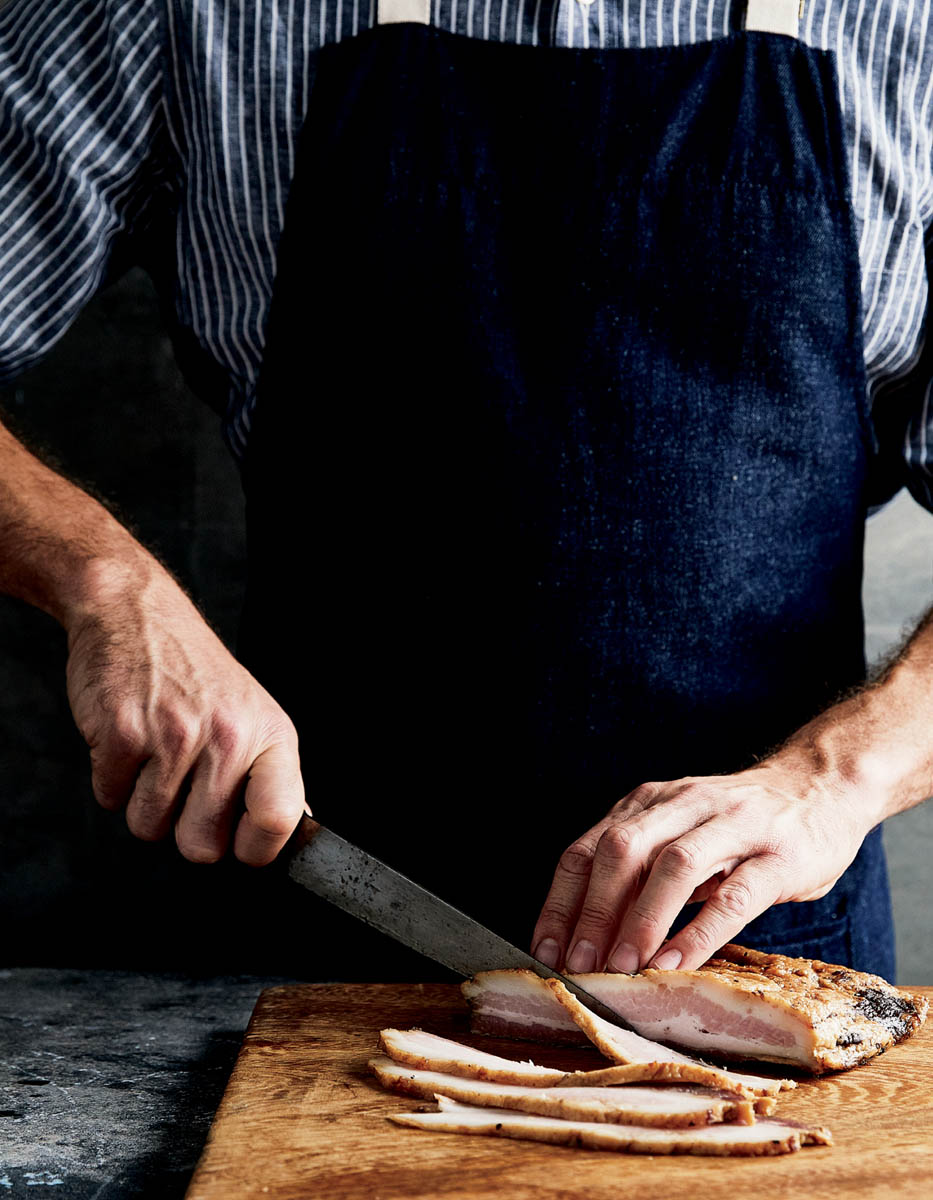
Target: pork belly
[(765, 1137), (622, 1044), (541, 1009), (669, 1107), (430, 1052), (740, 1005)]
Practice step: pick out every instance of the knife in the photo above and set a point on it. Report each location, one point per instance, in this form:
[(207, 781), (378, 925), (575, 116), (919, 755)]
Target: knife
[(361, 885)]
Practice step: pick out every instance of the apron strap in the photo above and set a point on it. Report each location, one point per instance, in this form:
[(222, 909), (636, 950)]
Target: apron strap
[(765, 16), (773, 16), (389, 12)]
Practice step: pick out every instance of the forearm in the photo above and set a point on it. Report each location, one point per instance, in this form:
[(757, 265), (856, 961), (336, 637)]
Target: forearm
[(877, 744), (59, 548)]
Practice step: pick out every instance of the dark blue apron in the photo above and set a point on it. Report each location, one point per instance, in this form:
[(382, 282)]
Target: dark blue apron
[(557, 478)]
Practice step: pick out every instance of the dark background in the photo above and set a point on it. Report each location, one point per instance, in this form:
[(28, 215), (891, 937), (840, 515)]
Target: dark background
[(109, 407)]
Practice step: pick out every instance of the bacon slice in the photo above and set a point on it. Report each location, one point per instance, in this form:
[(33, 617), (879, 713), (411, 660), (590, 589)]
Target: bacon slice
[(765, 1137), (662, 1106), (741, 1004), (433, 1053)]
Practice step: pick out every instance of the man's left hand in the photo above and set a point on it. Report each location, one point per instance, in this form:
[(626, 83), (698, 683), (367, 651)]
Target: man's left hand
[(778, 832)]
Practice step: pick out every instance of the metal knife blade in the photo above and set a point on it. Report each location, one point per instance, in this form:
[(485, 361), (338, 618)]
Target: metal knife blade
[(366, 888)]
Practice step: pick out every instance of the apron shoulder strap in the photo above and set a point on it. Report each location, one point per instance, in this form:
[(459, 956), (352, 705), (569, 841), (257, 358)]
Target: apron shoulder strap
[(389, 12), (773, 16), (765, 16)]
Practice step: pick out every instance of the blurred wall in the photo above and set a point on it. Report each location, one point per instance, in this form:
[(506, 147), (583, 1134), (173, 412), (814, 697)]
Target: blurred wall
[(74, 887)]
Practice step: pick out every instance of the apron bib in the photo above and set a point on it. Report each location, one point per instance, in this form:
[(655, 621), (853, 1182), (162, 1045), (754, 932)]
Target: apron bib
[(557, 479)]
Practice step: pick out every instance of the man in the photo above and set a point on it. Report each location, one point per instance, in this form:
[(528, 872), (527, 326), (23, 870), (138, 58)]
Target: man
[(123, 117)]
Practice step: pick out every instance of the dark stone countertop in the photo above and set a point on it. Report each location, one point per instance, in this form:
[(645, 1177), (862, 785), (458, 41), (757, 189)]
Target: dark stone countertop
[(109, 1080)]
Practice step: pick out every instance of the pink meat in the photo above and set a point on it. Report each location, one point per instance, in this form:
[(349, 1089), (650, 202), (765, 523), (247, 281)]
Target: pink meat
[(763, 1138), (742, 1004)]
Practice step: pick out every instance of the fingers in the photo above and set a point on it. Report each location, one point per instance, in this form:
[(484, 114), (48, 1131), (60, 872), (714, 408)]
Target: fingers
[(743, 895), (625, 857), (202, 831), (680, 869), (594, 876), (274, 800), (114, 772), (564, 900), (162, 781), (198, 783)]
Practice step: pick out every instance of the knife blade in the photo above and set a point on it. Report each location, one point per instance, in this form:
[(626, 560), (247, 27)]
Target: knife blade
[(366, 888)]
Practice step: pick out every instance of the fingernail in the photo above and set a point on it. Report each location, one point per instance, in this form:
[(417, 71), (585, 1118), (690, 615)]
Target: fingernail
[(308, 811), (624, 959), (582, 957), (548, 952), (667, 960)]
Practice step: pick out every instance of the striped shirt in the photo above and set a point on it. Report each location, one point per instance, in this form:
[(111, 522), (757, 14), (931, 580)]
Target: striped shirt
[(119, 116)]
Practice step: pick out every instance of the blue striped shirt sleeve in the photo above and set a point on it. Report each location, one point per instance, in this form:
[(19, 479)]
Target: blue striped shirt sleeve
[(81, 115)]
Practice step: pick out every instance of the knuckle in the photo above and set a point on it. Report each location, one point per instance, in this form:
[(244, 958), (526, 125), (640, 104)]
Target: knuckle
[(277, 728), (734, 897), (644, 924), (696, 792), (618, 842), (227, 734), (252, 856), (576, 859), (107, 796), (146, 825), (644, 794), (597, 915), (701, 938), (678, 859), (200, 840), (178, 733), (555, 914), (199, 852), (125, 733), (273, 824)]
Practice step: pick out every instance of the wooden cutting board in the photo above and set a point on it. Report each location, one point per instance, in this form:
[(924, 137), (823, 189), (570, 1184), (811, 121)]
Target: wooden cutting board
[(301, 1117)]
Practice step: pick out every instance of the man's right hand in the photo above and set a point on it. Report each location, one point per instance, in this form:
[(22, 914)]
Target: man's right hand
[(180, 734)]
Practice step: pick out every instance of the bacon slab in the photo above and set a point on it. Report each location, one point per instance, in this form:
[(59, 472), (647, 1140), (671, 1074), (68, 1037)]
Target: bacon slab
[(741, 1004), (669, 1107), (537, 1010), (622, 1045), (763, 1138)]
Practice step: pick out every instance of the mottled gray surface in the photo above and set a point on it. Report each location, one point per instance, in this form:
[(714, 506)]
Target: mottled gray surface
[(109, 1081)]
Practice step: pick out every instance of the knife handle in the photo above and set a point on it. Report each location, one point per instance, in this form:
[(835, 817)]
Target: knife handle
[(306, 832)]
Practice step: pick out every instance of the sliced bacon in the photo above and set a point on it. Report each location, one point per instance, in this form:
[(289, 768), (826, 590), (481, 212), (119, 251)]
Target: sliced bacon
[(432, 1053), (662, 1106), (765, 1137)]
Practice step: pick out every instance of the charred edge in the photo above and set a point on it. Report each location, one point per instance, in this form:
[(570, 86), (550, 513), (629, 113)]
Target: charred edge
[(896, 1013)]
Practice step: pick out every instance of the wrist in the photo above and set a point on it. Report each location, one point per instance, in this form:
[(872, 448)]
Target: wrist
[(124, 572), (874, 749)]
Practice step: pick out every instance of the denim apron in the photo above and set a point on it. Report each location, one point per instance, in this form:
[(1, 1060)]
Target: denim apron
[(557, 479)]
